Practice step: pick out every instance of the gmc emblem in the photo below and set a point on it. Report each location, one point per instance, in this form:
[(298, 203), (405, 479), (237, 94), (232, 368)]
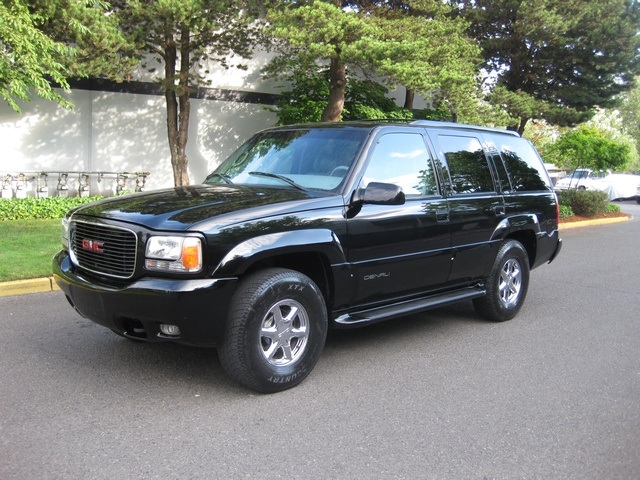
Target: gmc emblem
[(92, 246)]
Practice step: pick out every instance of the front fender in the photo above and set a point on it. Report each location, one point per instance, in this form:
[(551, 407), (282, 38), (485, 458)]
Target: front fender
[(250, 251)]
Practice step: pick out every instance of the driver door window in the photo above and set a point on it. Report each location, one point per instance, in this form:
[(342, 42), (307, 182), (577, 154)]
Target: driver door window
[(402, 159)]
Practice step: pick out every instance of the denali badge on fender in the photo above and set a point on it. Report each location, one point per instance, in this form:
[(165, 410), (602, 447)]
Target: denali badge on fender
[(375, 276), (279, 243)]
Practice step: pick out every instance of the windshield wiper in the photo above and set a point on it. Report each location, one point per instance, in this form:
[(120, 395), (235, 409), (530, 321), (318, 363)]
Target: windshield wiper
[(226, 178), (279, 177)]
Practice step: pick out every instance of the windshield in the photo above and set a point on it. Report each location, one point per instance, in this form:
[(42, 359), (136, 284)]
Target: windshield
[(579, 174), (310, 159)]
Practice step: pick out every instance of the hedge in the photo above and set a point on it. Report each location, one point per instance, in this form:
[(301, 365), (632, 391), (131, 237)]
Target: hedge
[(586, 203), (31, 208)]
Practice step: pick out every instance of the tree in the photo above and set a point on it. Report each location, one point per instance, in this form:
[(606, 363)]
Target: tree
[(613, 126), (183, 35), (424, 47), (100, 49), (306, 99), (30, 59), (318, 30), (554, 59), (413, 43), (630, 113), (44, 43), (589, 147)]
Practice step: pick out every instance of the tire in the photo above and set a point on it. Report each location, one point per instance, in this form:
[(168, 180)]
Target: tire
[(506, 285), (276, 330)]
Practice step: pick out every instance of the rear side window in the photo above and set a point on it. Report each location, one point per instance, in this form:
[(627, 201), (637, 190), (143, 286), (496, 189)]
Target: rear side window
[(523, 164), (468, 166)]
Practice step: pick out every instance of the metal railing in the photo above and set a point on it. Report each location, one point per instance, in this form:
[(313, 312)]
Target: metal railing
[(44, 184)]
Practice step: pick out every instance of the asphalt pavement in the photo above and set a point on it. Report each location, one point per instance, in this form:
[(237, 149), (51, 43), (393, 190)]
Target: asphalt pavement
[(552, 394)]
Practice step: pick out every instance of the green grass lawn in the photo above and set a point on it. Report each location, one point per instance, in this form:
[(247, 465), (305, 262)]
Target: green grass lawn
[(27, 247)]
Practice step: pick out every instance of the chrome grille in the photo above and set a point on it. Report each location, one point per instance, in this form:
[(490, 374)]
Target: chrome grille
[(104, 249)]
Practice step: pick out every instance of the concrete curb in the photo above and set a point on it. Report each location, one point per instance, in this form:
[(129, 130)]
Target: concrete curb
[(35, 285), (32, 285), (589, 223)]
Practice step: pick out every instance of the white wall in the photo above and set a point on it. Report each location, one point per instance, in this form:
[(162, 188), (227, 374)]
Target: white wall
[(119, 132), (45, 136), (125, 132)]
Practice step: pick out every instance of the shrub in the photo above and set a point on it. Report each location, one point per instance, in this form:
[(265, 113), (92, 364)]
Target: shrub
[(31, 208), (565, 196), (565, 211), (613, 208), (586, 203)]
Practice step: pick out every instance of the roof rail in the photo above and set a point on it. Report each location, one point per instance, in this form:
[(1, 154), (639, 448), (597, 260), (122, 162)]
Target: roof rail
[(435, 123), (387, 119)]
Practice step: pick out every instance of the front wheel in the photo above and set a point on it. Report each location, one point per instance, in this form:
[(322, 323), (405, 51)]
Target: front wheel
[(276, 331), (507, 284)]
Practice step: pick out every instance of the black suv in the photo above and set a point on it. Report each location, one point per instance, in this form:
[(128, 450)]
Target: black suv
[(315, 226)]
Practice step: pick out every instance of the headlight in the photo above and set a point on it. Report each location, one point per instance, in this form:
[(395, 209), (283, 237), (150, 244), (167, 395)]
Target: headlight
[(65, 233), (174, 254)]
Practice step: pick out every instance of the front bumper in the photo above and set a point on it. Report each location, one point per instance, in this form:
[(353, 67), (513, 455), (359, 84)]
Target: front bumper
[(199, 307)]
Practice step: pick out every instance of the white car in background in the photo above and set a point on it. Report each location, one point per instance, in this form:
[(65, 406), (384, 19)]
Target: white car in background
[(579, 179), (617, 186)]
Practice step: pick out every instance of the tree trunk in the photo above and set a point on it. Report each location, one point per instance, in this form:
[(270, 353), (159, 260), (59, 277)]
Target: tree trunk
[(523, 124), (408, 99), (337, 89), (178, 108), (520, 127)]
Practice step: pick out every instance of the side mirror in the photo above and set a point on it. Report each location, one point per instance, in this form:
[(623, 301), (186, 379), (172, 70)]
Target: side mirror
[(378, 193)]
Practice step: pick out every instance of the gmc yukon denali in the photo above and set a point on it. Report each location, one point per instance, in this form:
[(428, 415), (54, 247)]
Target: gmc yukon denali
[(311, 227)]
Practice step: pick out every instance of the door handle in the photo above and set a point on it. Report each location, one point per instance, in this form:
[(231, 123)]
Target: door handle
[(499, 211), (442, 216)]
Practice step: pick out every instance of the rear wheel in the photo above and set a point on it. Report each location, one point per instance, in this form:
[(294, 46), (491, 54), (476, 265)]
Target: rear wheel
[(276, 331), (506, 285)]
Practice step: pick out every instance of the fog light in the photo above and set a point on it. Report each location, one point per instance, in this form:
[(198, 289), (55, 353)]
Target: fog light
[(169, 330)]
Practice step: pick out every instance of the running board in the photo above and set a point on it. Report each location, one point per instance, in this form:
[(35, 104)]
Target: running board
[(377, 314)]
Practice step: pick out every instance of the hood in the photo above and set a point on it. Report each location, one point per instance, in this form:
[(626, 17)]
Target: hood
[(182, 207)]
